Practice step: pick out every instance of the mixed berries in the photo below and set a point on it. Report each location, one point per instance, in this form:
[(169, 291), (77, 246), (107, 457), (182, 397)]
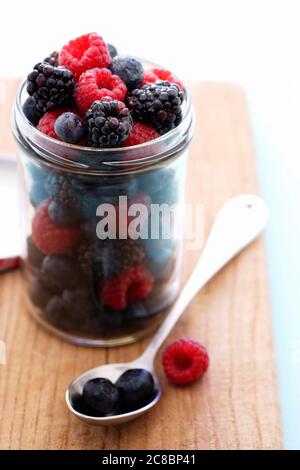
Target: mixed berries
[(134, 389), (88, 71), (89, 95), (184, 362)]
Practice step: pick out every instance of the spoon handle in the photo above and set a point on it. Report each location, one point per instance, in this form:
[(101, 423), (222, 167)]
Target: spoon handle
[(238, 223)]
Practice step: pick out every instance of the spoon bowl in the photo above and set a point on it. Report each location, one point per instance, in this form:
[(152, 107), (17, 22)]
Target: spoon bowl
[(111, 372)]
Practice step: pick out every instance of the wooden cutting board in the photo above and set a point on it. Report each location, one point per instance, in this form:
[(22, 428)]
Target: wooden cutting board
[(236, 405)]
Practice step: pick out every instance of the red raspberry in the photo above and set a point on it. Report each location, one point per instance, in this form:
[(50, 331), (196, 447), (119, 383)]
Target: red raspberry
[(86, 52), (46, 123), (139, 134), (154, 75), (185, 361), (96, 84), (50, 238), (130, 286)]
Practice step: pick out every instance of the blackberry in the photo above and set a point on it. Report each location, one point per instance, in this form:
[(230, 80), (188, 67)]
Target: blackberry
[(89, 255), (158, 104), (129, 69), (52, 59), (119, 255), (51, 87), (67, 193), (109, 122)]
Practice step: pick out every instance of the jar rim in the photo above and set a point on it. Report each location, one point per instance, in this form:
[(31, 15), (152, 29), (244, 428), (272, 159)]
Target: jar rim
[(94, 159)]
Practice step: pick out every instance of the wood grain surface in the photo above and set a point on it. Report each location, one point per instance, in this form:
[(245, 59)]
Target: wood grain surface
[(236, 405)]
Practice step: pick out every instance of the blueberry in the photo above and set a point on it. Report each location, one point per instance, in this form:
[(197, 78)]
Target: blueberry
[(72, 311), (59, 272), (36, 176), (112, 50), (62, 215), (129, 69), (38, 294), (161, 250), (69, 128), (162, 185), (101, 395), (82, 407), (161, 270), (55, 312), (136, 386), (30, 111), (136, 311), (79, 305), (35, 172), (107, 194)]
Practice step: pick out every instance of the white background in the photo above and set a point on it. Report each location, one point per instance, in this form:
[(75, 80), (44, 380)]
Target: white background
[(254, 43)]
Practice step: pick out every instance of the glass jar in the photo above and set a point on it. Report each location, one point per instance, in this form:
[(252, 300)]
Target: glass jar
[(85, 288)]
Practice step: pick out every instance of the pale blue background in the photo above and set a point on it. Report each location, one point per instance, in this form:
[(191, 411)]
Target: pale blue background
[(255, 43)]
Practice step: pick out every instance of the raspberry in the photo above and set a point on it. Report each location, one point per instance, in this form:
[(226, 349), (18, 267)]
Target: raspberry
[(86, 52), (49, 237), (133, 284), (96, 84), (67, 194), (139, 134), (129, 69), (155, 75), (185, 361), (51, 87), (47, 122), (158, 104), (108, 123), (52, 59)]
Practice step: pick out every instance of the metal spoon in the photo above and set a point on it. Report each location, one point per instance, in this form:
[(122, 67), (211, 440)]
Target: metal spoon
[(238, 223)]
